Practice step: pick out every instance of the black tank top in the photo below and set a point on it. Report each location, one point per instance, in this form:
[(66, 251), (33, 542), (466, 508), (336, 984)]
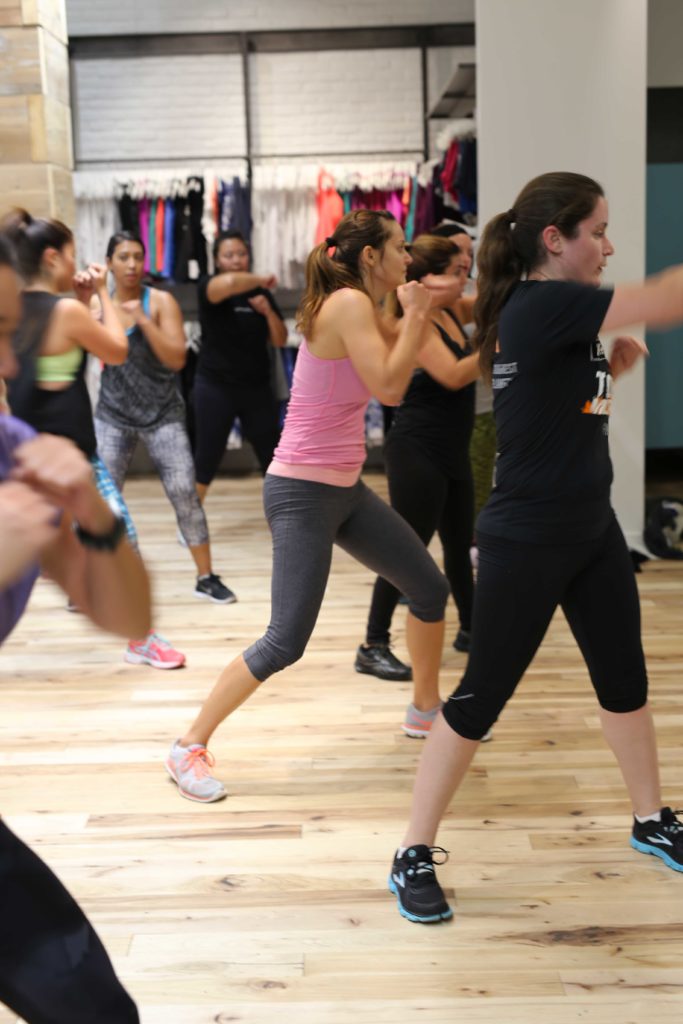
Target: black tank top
[(67, 412), (438, 419)]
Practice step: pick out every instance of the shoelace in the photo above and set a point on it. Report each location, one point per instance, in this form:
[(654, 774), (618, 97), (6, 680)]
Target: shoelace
[(674, 826), (199, 760), (426, 867), (157, 638)]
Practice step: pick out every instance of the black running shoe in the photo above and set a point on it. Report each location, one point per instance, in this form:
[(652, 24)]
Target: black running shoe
[(662, 838), (413, 882), (379, 660), (212, 588), (463, 640)]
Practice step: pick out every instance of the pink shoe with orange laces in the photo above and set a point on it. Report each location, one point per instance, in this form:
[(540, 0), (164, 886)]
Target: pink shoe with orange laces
[(189, 767), (154, 650)]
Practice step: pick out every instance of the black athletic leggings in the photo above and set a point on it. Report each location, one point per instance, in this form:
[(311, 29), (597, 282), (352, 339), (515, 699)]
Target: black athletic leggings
[(519, 587), (430, 501), (53, 967), (216, 406)]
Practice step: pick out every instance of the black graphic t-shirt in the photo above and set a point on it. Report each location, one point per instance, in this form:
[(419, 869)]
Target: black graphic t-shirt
[(551, 401), (235, 338)]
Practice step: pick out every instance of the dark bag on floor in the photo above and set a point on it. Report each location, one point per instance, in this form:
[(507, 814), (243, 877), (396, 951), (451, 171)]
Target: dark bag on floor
[(664, 527)]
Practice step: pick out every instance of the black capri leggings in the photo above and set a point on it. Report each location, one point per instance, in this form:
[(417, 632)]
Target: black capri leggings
[(53, 967), (427, 498), (306, 520), (519, 587), (216, 406)]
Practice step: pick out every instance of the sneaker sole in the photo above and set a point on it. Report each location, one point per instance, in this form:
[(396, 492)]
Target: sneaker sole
[(216, 600), (415, 734), (662, 854), (189, 796), (431, 919), (140, 659), (383, 675)]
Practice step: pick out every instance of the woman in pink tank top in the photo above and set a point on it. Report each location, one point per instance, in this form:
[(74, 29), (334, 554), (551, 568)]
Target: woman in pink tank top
[(313, 495)]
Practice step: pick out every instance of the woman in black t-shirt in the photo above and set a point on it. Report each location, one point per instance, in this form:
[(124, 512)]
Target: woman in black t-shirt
[(427, 459), (548, 535), (239, 319)]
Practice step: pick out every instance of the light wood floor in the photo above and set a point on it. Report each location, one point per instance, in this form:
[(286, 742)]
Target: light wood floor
[(272, 906)]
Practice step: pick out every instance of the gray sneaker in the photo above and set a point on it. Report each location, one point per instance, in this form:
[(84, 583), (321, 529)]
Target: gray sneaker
[(189, 767), (418, 723)]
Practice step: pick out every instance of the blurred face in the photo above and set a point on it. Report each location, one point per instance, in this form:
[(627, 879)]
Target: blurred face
[(389, 269), (466, 246), (456, 272), (59, 265), (584, 258), (10, 310), (127, 264), (232, 257)]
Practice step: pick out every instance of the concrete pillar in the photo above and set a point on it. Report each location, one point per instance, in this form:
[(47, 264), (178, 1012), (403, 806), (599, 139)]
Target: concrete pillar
[(36, 160), (562, 87)]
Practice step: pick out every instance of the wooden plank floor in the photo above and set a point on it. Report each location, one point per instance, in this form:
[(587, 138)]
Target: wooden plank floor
[(272, 906)]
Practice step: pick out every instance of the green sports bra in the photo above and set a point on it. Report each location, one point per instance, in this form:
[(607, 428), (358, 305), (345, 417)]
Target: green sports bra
[(60, 369)]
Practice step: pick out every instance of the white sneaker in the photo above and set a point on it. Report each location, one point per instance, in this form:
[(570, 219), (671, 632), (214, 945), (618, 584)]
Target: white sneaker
[(189, 769)]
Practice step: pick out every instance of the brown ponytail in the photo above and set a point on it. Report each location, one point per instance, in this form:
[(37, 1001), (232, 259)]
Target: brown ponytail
[(31, 237), (327, 273), (512, 246)]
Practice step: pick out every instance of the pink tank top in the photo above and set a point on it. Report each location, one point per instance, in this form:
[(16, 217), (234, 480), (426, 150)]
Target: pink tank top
[(323, 438)]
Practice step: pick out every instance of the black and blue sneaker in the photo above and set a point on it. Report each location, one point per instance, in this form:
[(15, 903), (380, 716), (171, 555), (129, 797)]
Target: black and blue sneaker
[(412, 880), (662, 838)]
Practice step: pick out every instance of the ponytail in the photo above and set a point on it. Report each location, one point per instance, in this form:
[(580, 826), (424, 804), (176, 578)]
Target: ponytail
[(512, 246), (499, 268), (335, 263), (31, 237)]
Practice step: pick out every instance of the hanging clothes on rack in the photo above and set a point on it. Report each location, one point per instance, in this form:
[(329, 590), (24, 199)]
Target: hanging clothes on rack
[(330, 207), (165, 207)]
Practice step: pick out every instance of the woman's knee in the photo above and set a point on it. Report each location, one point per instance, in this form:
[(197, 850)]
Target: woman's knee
[(430, 606), (467, 716), (268, 655)]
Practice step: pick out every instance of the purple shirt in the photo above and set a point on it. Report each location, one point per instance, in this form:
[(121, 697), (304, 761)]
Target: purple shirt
[(13, 599)]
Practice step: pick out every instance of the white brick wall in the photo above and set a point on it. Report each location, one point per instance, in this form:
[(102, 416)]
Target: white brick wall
[(353, 101), (187, 108), (124, 17), (158, 107)]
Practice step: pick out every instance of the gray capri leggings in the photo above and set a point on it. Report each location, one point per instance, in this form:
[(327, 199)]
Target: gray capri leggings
[(169, 450), (306, 519)]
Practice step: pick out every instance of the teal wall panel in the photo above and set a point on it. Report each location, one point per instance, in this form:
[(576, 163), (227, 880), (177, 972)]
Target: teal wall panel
[(664, 368)]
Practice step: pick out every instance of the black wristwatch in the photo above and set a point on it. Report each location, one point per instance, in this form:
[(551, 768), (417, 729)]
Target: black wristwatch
[(102, 541)]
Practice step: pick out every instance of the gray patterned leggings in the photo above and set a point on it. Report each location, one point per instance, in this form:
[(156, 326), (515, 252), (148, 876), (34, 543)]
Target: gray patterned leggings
[(169, 450)]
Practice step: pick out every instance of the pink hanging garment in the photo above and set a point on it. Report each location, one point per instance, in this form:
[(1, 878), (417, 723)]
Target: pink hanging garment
[(143, 220), (330, 207), (394, 205)]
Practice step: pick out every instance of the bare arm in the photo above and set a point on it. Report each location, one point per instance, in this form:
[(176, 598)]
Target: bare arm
[(386, 371), (464, 308), (277, 329), (105, 336), (112, 588), (224, 286), (444, 367), (657, 302), (75, 322), (167, 338)]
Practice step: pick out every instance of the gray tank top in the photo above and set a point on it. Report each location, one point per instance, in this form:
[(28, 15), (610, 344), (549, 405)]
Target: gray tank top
[(142, 392)]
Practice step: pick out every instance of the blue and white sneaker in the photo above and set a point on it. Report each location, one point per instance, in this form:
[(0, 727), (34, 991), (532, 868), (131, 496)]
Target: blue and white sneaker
[(662, 838), (412, 880)]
